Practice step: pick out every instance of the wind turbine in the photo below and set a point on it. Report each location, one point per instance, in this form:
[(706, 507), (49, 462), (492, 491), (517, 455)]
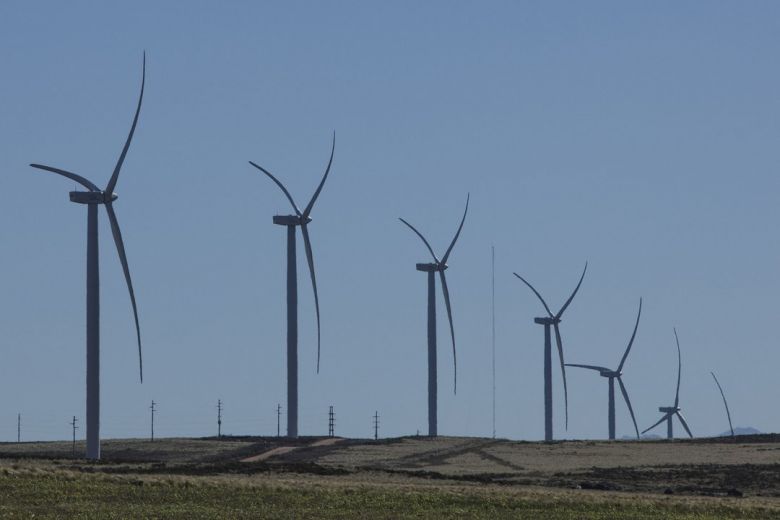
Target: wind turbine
[(728, 414), (670, 411), (611, 375), (553, 320), (302, 219), (432, 268), (92, 199)]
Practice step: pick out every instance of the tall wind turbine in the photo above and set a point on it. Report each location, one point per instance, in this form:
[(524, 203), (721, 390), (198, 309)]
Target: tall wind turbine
[(611, 375), (728, 414), (302, 219), (432, 268), (670, 411), (92, 199), (553, 320)]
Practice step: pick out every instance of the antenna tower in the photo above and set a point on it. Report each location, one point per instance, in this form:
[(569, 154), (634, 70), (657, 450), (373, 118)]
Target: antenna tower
[(493, 308)]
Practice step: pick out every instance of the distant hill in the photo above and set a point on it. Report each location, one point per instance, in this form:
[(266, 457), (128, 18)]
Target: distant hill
[(741, 430)]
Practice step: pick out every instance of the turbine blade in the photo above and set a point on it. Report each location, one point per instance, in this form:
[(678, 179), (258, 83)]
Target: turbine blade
[(423, 239), (446, 292), (589, 367), (310, 260), (628, 403), (679, 369), (322, 182), (563, 372), (278, 183), (72, 176), (662, 419), (457, 234), (115, 176), (537, 294), (560, 312), (633, 335), (728, 414), (685, 424), (120, 248)]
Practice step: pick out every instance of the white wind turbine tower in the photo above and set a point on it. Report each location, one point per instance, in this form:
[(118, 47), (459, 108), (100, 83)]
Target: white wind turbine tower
[(431, 268), (671, 411), (302, 219), (612, 375), (92, 198)]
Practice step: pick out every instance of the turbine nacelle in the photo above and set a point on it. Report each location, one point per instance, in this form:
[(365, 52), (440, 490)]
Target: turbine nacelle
[(432, 267), (92, 197), (610, 373), (546, 320), (669, 409), (291, 220)]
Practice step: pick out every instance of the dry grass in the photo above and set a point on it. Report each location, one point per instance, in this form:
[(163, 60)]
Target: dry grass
[(400, 478)]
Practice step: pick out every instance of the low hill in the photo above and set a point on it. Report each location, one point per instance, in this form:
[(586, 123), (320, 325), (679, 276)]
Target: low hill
[(741, 430)]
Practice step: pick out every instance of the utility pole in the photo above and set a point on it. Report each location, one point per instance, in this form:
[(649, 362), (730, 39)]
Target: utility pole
[(219, 418), (493, 308), (73, 424), (278, 419), (331, 421), (376, 425), (18, 428), (153, 410)]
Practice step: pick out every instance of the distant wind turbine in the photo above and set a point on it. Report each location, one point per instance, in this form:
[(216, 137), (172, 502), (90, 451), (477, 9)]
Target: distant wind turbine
[(432, 268), (302, 219), (611, 375), (92, 199), (553, 320), (670, 411), (728, 414)]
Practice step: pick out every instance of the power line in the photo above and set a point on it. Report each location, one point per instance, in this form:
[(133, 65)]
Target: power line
[(73, 424), (219, 418), (153, 410)]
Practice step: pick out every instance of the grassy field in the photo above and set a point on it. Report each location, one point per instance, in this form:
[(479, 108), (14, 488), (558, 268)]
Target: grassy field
[(399, 478)]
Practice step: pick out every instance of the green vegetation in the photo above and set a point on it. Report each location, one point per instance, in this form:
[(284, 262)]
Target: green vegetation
[(45, 493)]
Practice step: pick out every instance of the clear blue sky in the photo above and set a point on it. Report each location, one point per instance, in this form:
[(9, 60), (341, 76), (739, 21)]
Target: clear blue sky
[(642, 137)]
